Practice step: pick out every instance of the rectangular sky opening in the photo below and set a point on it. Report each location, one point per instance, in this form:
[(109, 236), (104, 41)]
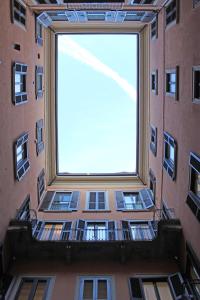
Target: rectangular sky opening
[(97, 104)]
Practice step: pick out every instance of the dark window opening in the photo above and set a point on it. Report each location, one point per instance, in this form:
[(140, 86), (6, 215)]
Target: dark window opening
[(196, 84), (170, 155)]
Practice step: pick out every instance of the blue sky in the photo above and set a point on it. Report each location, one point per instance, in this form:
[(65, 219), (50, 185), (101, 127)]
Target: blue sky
[(97, 106)]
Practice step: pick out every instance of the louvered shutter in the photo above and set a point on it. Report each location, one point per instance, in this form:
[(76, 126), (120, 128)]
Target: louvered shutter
[(74, 200), (46, 201), (44, 19), (136, 291), (147, 197), (92, 200), (111, 231), (126, 230), (66, 230), (37, 230), (177, 285), (101, 200), (119, 200), (80, 230)]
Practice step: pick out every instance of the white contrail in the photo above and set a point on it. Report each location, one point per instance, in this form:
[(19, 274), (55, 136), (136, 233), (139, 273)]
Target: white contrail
[(68, 46)]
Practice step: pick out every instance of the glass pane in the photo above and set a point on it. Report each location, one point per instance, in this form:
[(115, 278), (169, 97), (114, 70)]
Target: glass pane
[(88, 290), (25, 291), (17, 88), (173, 88), (149, 291), (46, 232), (39, 82), (164, 291), (197, 184), (102, 290), (40, 290), (57, 231), (173, 77), (171, 154), (61, 201)]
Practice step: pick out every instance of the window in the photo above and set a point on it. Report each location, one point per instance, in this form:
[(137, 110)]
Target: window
[(19, 83), (18, 12), (196, 85), (39, 136), (38, 32), (23, 214), (152, 184), (172, 12), (93, 288), (41, 185), (196, 3), (137, 230), (95, 231), (161, 287), (22, 164), (193, 198), (53, 231), (60, 201), (38, 81), (134, 200), (193, 271), (153, 141), (170, 155), (154, 82), (154, 29), (97, 201), (172, 83)]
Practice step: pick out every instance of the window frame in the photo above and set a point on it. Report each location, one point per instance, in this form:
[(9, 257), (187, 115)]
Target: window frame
[(38, 32), (23, 73), (24, 163), (95, 278), (153, 139), (194, 70), (96, 201), (39, 136), (169, 165), (168, 83), (52, 177), (129, 233), (24, 16), (177, 9), (38, 76), (193, 201), (39, 230), (14, 287)]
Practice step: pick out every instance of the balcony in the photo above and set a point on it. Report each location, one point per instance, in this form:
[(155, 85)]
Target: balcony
[(36, 239)]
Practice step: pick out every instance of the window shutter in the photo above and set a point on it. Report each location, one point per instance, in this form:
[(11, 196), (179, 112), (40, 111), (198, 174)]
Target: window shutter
[(101, 200), (147, 197), (119, 200), (126, 230), (177, 285), (74, 200), (66, 230), (92, 200), (38, 228), (46, 201), (111, 231), (80, 230), (136, 291)]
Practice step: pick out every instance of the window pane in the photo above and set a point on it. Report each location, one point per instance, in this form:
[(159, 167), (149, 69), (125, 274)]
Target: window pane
[(88, 290), (102, 290), (164, 291), (46, 232), (25, 290), (149, 291), (61, 201), (40, 290), (57, 229)]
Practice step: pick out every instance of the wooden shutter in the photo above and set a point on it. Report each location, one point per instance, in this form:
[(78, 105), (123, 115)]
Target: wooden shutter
[(126, 230), (92, 200), (147, 197), (66, 230), (74, 200), (177, 285), (46, 201), (80, 230), (119, 200), (111, 231), (136, 290), (101, 200)]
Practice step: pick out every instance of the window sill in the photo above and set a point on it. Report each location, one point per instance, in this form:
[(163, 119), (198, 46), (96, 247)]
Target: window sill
[(96, 211), (59, 211), (135, 210)]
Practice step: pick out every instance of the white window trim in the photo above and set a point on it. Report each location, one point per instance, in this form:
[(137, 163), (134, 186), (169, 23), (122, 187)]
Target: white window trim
[(96, 209), (15, 284)]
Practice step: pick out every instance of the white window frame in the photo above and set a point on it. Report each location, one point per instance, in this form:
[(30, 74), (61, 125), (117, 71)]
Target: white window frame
[(97, 209)]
